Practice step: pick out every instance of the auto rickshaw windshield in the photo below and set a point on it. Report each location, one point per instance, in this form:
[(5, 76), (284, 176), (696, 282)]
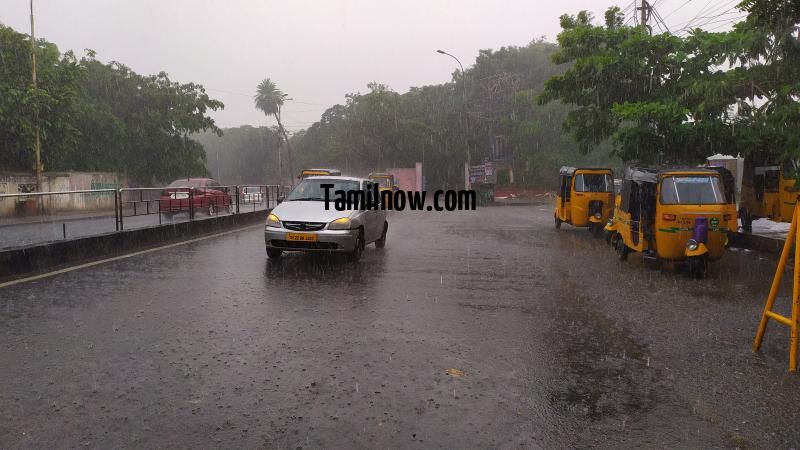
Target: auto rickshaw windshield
[(594, 182), (383, 181), (691, 190)]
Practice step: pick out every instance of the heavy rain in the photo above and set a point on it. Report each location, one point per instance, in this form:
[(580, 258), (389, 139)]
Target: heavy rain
[(356, 224)]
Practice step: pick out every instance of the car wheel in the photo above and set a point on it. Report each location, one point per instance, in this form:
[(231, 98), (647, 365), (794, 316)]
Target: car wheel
[(355, 255), (274, 253), (381, 243)]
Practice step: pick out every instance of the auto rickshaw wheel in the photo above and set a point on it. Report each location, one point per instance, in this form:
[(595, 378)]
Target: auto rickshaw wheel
[(697, 266), (596, 228), (622, 250), (558, 223)]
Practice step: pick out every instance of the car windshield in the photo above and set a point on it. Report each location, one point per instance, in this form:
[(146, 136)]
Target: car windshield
[(311, 189), (691, 190), (593, 182)]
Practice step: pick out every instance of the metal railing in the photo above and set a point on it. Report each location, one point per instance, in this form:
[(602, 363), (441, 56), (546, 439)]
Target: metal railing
[(27, 218)]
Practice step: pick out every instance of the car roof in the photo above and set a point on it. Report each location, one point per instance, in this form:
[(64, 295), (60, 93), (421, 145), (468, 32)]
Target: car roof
[(321, 170)]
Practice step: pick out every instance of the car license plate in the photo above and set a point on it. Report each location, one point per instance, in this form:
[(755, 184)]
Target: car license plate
[(302, 237)]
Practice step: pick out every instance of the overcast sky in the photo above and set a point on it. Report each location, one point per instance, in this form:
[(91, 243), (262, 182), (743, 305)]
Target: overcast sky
[(316, 51)]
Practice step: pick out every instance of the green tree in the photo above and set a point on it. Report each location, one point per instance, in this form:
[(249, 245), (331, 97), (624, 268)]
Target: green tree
[(58, 85)]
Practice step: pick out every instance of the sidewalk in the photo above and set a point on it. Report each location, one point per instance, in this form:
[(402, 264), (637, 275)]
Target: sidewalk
[(65, 216)]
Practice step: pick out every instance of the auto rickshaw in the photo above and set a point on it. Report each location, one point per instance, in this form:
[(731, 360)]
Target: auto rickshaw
[(675, 215), (385, 181), (319, 172), (585, 198), (768, 191)]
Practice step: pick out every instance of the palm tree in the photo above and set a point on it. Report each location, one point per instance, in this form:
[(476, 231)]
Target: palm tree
[(269, 99)]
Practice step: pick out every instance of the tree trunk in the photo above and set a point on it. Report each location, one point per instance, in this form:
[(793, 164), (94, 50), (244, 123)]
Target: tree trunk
[(288, 147)]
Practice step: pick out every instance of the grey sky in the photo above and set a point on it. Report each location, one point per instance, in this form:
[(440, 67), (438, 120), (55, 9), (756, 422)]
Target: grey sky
[(317, 51)]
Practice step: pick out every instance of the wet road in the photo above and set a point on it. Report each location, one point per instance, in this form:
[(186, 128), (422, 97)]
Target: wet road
[(16, 232), (471, 329)]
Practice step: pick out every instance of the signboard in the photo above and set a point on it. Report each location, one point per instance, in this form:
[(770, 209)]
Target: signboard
[(482, 174)]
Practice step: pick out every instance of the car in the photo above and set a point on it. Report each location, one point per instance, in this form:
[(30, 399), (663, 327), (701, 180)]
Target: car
[(301, 221), (199, 194)]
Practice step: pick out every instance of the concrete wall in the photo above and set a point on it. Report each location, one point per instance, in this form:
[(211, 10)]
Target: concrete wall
[(19, 183)]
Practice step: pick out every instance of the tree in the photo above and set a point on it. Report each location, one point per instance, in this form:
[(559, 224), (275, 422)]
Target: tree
[(59, 78), (658, 99), (269, 99), (95, 116)]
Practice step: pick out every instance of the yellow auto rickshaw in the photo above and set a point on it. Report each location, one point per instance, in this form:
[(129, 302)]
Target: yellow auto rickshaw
[(675, 215), (768, 191), (585, 198), (319, 172), (385, 181)]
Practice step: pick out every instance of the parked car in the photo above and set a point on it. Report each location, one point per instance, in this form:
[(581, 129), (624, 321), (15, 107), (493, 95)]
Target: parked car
[(204, 195), (302, 223)]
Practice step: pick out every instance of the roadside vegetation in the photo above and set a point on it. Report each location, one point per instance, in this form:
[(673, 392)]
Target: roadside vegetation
[(96, 116)]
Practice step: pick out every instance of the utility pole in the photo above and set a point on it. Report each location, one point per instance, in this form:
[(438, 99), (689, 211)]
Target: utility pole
[(645, 10), (37, 145)]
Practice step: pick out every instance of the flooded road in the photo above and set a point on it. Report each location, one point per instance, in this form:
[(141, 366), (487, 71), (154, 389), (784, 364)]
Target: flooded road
[(472, 329)]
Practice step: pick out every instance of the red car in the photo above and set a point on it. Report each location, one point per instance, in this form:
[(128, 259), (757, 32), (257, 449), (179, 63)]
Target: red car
[(205, 194)]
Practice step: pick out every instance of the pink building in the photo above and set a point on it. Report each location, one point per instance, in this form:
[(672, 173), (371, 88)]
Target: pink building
[(408, 178)]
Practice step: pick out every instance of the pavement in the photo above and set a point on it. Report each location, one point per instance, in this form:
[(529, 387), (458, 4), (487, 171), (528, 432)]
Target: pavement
[(479, 329), (19, 231)]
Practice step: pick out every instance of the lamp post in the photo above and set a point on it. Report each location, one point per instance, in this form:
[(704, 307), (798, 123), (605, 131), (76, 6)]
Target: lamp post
[(37, 145), (466, 115)]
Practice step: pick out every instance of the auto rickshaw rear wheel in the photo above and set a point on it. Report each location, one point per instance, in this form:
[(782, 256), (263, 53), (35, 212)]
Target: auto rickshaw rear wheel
[(558, 223), (596, 228)]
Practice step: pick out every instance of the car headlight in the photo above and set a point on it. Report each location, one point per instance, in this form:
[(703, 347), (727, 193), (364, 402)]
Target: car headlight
[(691, 245), (273, 221), (342, 223)]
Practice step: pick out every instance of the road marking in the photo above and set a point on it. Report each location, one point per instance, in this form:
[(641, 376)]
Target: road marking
[(120, 257)]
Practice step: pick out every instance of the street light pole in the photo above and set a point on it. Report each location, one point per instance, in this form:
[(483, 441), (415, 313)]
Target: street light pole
[(466, 114), (37, 151)]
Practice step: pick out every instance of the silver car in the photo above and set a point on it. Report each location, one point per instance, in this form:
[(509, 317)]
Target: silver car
[(302, 223)]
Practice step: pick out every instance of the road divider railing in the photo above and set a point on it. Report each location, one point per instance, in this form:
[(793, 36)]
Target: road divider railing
[(37, 217)]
